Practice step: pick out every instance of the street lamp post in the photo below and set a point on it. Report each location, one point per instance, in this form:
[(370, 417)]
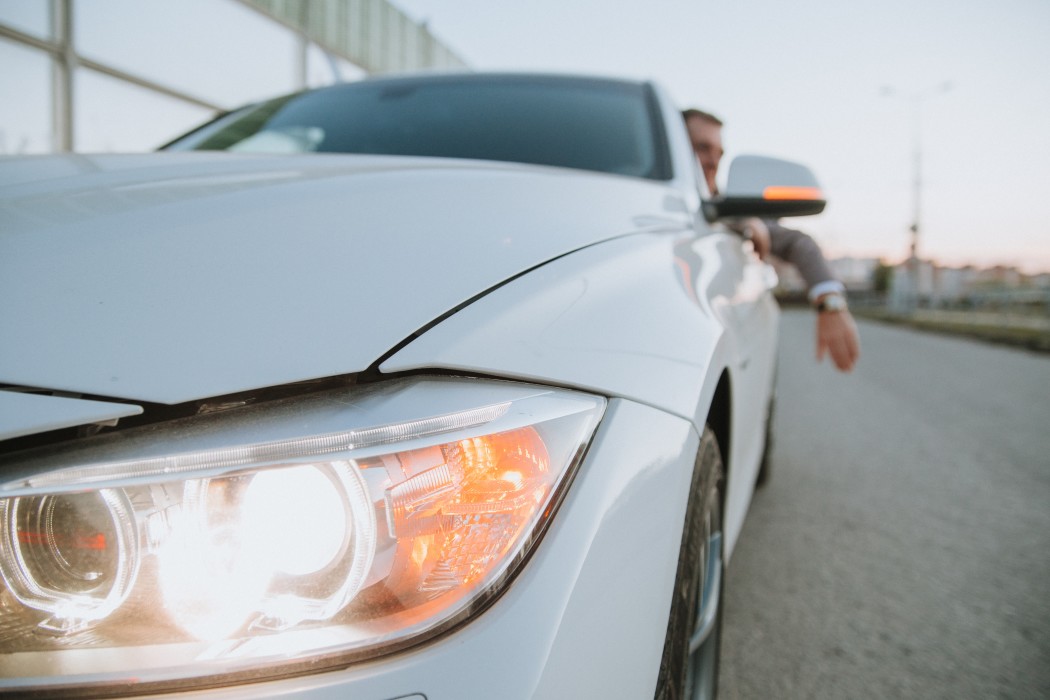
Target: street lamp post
[(915, 99)]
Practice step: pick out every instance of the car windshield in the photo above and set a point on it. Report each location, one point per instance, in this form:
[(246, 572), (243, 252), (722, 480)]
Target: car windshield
[(589, 124)]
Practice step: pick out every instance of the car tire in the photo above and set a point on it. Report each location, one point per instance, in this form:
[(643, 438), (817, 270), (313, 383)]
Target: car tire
[(689, 667)]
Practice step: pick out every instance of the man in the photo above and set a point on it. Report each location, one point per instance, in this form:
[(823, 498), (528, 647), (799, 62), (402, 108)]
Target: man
[(836, 331)]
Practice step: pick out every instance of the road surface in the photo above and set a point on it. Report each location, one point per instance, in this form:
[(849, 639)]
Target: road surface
[(902, 546)]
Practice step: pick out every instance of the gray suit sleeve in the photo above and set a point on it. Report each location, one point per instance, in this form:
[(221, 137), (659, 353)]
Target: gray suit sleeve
[(800, 250)]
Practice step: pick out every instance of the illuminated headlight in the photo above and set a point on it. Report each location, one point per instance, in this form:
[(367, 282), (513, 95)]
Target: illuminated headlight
[(302, 533)]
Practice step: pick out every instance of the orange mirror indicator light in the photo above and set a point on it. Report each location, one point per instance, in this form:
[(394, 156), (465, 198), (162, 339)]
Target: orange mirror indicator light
[(780, 193)]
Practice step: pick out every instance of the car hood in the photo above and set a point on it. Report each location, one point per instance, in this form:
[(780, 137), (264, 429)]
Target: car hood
[(174, 277)]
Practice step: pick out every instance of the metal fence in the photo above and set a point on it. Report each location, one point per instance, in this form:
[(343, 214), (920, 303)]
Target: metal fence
[(372, 33)]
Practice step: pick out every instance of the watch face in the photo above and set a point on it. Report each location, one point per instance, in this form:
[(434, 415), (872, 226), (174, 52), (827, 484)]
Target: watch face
[(833, 302)]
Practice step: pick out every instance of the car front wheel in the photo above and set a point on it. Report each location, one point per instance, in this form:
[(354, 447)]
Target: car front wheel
[(689, 668)]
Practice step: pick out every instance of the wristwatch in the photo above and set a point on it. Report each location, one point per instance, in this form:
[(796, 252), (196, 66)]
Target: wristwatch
[(832, 302)]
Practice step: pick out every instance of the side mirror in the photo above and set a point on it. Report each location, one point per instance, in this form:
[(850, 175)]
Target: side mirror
[(768, 188)]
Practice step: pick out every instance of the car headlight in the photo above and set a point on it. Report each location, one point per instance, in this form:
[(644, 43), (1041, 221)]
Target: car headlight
[(301, 533)]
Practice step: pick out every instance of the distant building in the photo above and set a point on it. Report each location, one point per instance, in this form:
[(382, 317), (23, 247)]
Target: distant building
[(953, 283), (924, 284), (1001, 277), (858, 274)]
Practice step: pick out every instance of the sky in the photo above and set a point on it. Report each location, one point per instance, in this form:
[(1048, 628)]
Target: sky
[(806, 80)]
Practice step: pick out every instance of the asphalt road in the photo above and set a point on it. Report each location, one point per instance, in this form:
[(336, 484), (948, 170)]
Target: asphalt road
[(902, 546)]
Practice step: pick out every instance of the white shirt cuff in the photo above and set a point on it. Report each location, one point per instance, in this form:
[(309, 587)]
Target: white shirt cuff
[(826, 287)]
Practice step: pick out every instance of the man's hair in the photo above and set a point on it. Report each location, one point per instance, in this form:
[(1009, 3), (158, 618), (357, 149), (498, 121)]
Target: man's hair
[(700, 114)]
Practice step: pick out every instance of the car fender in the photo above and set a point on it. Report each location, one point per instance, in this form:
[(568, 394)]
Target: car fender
[(654, 318)]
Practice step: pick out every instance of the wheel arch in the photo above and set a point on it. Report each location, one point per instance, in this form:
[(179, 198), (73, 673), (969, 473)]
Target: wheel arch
[(720, 417)]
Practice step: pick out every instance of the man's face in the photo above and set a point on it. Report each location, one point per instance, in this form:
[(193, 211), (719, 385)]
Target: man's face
[(706, 138)]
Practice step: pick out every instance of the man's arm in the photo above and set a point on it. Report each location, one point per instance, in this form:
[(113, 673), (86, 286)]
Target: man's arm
[(802, 251), (836, 331)]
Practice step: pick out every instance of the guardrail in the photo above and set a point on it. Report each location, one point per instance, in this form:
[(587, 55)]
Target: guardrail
[(1030, 331), (1021, 320)]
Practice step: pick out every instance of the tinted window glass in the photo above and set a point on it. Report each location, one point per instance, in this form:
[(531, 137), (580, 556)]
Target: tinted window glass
[(586, 124)]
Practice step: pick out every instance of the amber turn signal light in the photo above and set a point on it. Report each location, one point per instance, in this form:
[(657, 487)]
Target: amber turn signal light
[(780, 193)]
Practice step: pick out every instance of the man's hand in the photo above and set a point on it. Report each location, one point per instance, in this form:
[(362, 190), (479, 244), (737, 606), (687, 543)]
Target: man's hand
[(758, 233), (837, 336)]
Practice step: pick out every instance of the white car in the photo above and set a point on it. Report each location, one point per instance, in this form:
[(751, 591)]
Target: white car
[(431, 387)]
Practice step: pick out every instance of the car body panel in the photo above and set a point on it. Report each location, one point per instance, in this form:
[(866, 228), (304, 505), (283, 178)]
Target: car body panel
[(642, 317), (175, 278), (26, 414), (251, 260), (585, 320)]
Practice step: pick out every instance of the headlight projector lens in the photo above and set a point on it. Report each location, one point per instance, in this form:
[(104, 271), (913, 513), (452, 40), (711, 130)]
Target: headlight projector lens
[(72, 556)]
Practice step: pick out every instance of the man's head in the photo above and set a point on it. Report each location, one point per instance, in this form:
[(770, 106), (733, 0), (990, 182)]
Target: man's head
[(705, 133)]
